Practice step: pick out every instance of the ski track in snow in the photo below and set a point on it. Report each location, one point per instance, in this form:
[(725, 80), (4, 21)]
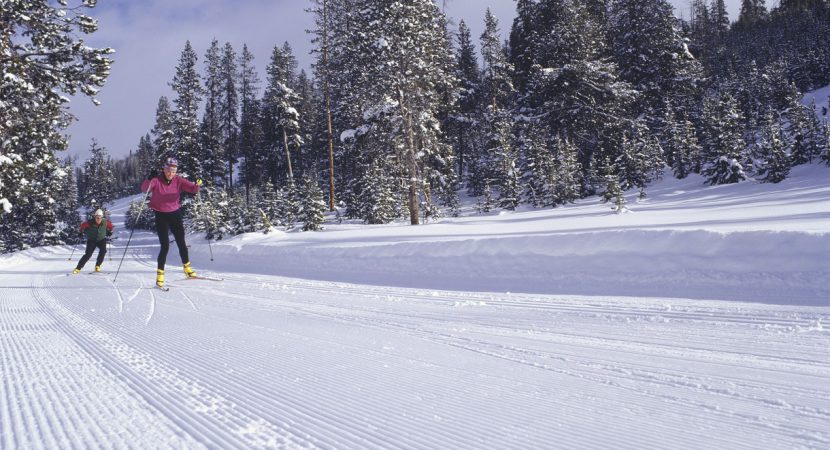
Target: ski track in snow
[(268, 362)]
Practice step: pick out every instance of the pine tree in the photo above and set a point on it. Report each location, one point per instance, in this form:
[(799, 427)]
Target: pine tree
[(280, 107), (164, 135), (652, 55), (323, 21), (44, 62), (394, 73), (288, 205), (309, 155), (804, 133), (720, 17), (313, 207), (378, 200), (723, 145), (212, 154), (495, 124), (99, 180), (228, 111), (467, 72), (250, 131), (776, 167), (66, 210), (568, 178), (541, 177), (185, 122), (523, 34), (613, 191), (752, 12), (682, 150), (640, 159)]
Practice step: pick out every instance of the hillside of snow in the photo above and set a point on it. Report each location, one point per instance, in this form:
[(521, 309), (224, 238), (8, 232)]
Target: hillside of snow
[(767, 243), (698, 319)]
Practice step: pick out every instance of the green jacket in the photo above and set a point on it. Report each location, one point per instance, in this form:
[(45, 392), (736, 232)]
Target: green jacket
[(94, 232)]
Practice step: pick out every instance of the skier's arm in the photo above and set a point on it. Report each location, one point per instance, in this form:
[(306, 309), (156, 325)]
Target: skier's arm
[(188, 186), (148, 185)]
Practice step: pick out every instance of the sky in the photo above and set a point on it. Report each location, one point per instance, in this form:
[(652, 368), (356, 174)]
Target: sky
[(148, 37), (698, 319)]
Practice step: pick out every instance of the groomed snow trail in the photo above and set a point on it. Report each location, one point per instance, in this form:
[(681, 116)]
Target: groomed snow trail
[(260, 361)]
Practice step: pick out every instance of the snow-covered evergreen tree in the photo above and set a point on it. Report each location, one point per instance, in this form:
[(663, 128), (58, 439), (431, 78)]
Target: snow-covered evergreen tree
[(804, 133), (288, 205), (651, 54), (463, 121), (723, 144), (541, 177), (640, 159), (568, 187), (752, 12), (497, 156), (185, 120), (682, 149), (163, 132), (282, 121), (613, 192), (98, 179), (43, 61), (66, 210), (250, 121), (825, 152), (313, 207), (212, 149), (776, 166), (229, 111)]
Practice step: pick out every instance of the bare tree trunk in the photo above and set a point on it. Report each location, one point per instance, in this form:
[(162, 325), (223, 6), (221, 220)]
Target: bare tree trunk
[(287, 155), (412, 165), (328, 103)]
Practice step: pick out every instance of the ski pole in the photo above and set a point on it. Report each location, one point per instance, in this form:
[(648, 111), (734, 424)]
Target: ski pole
[(131, 234), (208, 231), (73, 254)]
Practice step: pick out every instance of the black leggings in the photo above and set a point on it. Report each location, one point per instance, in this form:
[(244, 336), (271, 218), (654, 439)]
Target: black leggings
[(90, 249), (171, 221)]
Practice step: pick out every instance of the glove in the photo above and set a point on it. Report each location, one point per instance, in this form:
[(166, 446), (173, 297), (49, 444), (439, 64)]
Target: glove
[(152, 174), (198, 182), (109, 233)]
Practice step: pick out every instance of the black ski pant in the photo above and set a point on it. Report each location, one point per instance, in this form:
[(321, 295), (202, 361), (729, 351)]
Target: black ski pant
[(166, 222), (90, 249)]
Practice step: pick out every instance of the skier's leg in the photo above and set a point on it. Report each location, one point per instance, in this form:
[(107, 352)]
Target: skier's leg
[(177, 227), (90, 247), (102, 251), (162, 228)]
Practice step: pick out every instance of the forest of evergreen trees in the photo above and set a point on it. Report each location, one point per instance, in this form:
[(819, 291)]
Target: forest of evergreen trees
[(403, 112)]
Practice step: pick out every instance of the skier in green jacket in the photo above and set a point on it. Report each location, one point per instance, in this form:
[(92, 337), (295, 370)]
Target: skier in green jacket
[(97, 231)]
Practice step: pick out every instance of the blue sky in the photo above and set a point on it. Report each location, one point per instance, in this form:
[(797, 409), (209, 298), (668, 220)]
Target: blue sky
[(149, 35)]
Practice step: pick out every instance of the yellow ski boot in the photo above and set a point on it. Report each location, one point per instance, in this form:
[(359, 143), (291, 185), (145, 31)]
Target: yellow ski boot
[(97, 268), (189, 270), (76, 271), (160, 278)]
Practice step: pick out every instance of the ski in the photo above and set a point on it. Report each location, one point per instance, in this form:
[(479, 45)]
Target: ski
[(199, 277), (165, 289), (98, 273)]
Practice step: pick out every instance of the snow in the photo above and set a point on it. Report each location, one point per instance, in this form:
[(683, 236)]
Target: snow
[(821, 98), (696, 320)]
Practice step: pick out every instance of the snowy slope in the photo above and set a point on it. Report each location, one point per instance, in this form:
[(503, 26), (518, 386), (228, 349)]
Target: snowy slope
[(697, 320), (753, 241)]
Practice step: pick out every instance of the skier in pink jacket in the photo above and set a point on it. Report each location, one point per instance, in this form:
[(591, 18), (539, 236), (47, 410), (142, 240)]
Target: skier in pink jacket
[(166, 188)]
